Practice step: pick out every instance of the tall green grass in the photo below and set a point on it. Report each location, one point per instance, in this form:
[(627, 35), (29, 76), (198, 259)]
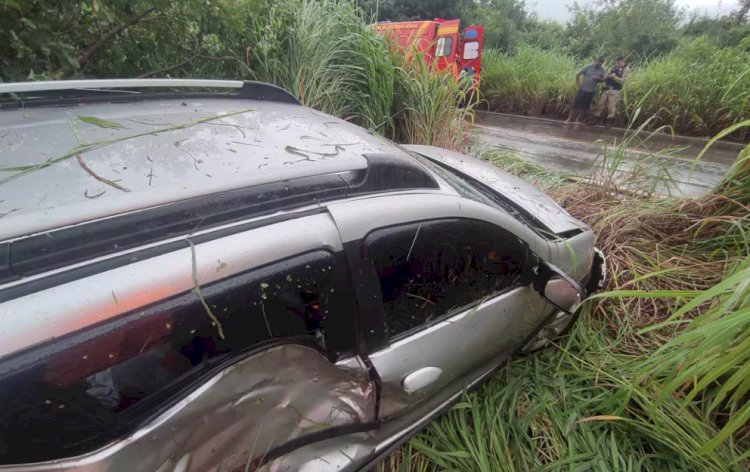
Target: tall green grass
[(326, 54), (576, 407), (529, 81), (430, 107), (698, 88)]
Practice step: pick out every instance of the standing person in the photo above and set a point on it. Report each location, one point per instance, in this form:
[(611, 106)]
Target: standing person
[(593, 74), (612, 86)]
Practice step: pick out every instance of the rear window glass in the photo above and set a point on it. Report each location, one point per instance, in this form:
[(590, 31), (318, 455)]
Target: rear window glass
[(85, 391)]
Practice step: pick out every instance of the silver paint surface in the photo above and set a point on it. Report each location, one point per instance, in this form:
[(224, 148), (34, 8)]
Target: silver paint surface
[(351, 453), (103, 84), (459, 344), (421, 378), (245, 143), (281, 393), (523, 194), (66, 308)]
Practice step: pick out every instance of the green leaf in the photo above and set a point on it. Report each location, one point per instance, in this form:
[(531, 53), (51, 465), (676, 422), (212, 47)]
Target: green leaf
[(101, 123), (28, 23)]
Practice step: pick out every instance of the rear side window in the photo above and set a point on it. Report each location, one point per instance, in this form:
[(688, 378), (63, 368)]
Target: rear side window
[(82, 392), (430, 269)]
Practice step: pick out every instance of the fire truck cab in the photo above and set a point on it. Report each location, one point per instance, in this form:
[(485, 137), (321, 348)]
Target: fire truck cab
[(441, 42)]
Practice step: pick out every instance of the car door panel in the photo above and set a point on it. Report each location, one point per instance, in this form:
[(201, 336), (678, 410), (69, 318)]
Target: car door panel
[(191, 379), (458, 344), (458, 341)]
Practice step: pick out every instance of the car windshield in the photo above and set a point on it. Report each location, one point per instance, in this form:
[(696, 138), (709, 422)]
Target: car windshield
[(458, 183)]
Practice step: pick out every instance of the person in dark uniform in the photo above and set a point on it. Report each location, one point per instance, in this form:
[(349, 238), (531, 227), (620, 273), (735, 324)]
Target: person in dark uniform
[(593, 75), (611, 95)]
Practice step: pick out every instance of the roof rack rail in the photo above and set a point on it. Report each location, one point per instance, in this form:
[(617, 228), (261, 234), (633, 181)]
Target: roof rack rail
[(46, 90)]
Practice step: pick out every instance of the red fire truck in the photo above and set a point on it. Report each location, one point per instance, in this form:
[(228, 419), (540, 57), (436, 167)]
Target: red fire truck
[(442, 41)]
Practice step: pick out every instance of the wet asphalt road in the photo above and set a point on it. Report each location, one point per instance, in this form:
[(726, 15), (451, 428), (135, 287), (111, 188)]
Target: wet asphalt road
[(577, 149)]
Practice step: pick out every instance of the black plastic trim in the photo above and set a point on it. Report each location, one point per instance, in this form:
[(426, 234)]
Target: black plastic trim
[(42, 252), (506, 203), (6, 273), (59, 248), (312, 438), (251, 90), (370, 314)]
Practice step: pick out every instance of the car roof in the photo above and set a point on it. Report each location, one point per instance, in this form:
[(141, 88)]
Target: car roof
[(63, 165)]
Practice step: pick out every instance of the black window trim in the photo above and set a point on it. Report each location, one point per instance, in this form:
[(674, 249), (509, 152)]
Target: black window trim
[(446, 38), (134, 256)]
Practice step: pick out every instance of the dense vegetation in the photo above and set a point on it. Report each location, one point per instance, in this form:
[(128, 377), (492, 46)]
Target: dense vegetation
[(691, 71), (656, 375), (697, 88)]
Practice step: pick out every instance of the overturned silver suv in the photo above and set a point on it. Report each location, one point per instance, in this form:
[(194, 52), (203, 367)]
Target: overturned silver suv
[(227, 280)]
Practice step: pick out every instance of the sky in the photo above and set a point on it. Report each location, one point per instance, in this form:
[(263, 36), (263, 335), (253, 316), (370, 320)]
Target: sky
[(557, 9)]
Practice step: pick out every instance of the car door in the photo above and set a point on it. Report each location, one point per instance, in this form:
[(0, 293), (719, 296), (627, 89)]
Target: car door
[(200, 356), (443, 288)]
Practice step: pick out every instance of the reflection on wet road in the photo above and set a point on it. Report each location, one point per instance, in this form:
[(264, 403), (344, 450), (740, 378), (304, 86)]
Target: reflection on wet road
[(576, 149)]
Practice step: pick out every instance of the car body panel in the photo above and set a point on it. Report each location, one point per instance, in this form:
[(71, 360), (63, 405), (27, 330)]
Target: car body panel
[(170, 150), (359, 451), (573, 255), (527, 196), (284, 405), (356, 217), (70, 307), (458, 344)]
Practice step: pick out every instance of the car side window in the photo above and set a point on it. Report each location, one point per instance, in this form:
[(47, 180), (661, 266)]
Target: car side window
[(434, 268), (77, 394), (444, 46)]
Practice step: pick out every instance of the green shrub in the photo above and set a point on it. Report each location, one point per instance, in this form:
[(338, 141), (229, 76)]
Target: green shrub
[(427, 104)]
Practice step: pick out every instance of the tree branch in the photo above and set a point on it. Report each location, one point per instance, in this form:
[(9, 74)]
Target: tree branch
[(172, 67), (84, 55)]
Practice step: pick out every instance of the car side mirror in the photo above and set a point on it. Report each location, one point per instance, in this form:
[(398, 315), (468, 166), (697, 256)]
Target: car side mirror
[(563, 294), (559, 288)]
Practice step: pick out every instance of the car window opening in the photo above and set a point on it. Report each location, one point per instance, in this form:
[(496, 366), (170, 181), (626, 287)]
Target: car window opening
[(443, 265), (471, 50)]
